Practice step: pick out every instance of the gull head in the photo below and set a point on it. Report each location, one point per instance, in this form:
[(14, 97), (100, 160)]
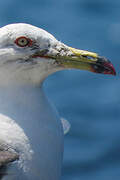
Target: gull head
[(28, 51)]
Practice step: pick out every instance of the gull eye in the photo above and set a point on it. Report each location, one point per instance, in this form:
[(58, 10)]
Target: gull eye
[(23, 41)]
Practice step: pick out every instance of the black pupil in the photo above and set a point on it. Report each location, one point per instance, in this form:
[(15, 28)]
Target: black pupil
[(23, 41)]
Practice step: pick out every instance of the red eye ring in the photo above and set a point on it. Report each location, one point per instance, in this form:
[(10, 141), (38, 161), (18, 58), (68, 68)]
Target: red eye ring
[(23, 41)]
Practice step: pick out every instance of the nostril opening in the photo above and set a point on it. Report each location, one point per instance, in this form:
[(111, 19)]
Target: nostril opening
[(88, 57)]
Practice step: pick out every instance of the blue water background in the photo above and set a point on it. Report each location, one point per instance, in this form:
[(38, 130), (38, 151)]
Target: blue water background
[(91, 102)]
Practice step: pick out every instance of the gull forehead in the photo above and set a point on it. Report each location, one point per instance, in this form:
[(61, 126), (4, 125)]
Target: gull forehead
[(26, 29), (12, 31)]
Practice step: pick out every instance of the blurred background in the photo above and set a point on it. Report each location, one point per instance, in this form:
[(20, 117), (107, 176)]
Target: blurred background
[(91, 102)]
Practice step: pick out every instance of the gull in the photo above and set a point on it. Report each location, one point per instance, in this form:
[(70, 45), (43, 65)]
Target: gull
[(31, 132)]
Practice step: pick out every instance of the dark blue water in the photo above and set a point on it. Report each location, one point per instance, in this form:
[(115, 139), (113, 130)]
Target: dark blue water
[(91, 102)]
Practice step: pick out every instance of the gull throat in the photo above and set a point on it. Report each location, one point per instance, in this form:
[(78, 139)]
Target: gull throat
[(26, 72)]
